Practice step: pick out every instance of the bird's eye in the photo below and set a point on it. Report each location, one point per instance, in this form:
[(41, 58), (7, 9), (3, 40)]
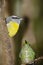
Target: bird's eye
[(15, 18)]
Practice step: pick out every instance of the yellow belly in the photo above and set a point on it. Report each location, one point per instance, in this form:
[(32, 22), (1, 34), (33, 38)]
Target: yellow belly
[(12, 28)]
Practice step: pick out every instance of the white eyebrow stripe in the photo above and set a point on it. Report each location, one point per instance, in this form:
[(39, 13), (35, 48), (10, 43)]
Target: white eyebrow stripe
[(14, 19)]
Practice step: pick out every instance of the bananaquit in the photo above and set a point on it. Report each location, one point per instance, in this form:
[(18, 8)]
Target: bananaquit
[(13, 23)]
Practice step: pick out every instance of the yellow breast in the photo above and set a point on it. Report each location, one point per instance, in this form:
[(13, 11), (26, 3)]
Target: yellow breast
[(12, 28)]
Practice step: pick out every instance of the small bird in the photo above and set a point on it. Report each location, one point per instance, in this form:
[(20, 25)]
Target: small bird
[(13, 23), (27, 55)]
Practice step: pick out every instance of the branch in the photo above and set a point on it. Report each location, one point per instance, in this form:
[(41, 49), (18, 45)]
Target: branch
[(39, 58), (36, 60)]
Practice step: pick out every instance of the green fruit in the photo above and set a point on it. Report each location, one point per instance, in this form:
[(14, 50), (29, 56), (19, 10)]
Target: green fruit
[(27, 54)]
